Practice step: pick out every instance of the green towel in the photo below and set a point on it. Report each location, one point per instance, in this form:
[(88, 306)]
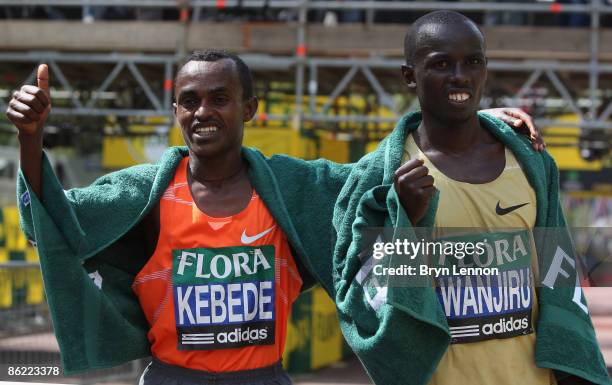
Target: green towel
[(79, 235), (400, 333)]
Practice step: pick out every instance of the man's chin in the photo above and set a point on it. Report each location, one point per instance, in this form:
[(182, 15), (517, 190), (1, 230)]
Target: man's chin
[(210, 150), (461, 117), (205, 150)]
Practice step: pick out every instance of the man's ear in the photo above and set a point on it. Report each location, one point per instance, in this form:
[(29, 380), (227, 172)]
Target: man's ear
[(408, 75), (250, 108)]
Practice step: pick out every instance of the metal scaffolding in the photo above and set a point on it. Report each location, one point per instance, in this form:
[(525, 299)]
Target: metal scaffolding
[(308, 68), (160, 99)]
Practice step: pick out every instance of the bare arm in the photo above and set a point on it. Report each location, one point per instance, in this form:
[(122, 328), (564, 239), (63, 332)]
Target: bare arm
[(30, 158), (28, 110)]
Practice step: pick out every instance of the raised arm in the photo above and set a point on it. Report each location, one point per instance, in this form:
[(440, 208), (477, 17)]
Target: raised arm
[(28, 110)]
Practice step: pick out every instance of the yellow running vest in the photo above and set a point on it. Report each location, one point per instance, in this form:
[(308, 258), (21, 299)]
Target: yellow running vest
[(492, 325)]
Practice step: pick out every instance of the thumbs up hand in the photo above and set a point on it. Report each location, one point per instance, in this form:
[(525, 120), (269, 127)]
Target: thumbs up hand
[(30, 106)]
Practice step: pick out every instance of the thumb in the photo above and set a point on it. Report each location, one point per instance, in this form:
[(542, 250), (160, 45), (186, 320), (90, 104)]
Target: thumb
[(42, 77)]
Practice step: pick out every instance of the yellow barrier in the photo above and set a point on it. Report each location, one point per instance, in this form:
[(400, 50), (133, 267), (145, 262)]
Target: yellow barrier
[(327, 338), (567, 155), (125, 151), (334, 149), (272, 141), (6, 286), (314, 339), (17, 286)]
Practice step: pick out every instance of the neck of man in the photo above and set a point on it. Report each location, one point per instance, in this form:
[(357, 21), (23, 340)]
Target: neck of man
[(449, 137), (217, 170)]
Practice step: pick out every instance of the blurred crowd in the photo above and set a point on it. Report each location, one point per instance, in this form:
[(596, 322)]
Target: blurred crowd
[(90, 14)]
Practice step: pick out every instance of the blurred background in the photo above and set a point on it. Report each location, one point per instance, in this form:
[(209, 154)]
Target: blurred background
[(327, 74)]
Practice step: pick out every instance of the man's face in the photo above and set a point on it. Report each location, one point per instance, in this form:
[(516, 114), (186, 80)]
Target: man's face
[(450, 70), (209, 107)]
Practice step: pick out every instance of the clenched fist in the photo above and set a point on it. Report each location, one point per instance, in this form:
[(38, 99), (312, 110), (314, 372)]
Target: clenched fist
[(30, 106), (415, 187)]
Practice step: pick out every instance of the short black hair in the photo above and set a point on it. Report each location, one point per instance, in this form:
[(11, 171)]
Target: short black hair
[(443, 17), (212, 55)]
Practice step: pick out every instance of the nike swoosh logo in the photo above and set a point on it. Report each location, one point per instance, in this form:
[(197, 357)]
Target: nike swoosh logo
[(245, 239), (503, 211)]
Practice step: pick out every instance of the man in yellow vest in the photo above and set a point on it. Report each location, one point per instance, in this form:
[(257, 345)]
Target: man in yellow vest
[(466, 179)]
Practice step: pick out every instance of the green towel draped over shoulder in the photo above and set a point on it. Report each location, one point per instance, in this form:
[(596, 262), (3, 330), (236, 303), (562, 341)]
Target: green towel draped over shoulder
[(88, 265), (400, 333)]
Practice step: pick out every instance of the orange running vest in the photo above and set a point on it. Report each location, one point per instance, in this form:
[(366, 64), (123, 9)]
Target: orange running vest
[(217, 292)]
